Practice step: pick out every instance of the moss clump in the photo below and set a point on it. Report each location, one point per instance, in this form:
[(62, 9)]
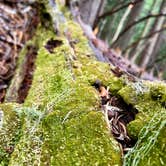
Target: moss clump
[(158, 93), (150, 148), (49, 79), (10, 127), (78, 139), (139, 94), (148, 127)]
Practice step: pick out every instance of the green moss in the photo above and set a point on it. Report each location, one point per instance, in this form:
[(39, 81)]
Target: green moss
[(158, 93), (28, 149), (49, 79), (78, 140), (9, 132), (116, 84), (70, 129), (150, 148), (134, 93), (140, 94), (75, 133), (148, 127)]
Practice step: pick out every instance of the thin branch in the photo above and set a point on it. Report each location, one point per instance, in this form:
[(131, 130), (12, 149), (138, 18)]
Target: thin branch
[(120, 26), (136, 22), (120, 3), (120, 8), (143, 38)]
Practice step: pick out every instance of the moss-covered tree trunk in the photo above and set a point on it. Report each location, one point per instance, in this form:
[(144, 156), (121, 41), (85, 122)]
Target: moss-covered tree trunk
[(61, 122)]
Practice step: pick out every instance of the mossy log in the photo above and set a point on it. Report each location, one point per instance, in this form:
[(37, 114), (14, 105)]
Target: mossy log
[(61, 123)]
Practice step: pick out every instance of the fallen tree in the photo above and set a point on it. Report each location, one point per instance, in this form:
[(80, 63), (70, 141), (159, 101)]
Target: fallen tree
[(62, 120)]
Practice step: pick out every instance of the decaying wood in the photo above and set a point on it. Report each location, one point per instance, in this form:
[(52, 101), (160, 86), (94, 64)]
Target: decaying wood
[(22, 79), (117, 115)]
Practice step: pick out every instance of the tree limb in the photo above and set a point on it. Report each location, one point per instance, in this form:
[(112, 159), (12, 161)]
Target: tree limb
[(136, 22), (119, 8)]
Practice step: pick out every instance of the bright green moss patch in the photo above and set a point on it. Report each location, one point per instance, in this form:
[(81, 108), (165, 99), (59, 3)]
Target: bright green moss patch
[(158, 93), (79, 140), (61, 119), (76, 133), (49, 78), (28, 149)]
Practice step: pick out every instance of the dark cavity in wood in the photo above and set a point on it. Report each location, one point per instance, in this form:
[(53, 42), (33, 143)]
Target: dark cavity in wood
[(51, 44), (119, 115)]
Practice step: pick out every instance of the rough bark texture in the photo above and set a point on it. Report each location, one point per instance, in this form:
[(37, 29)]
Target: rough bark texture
[(60, 122)]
